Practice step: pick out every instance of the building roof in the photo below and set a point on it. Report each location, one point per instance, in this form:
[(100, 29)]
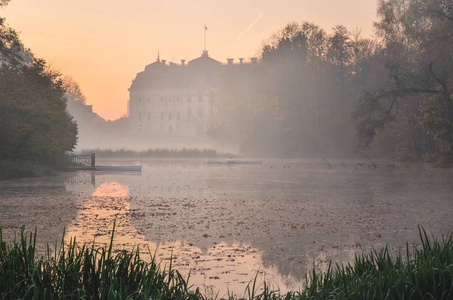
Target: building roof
[(204, 60), (199, 72), (157, 65)]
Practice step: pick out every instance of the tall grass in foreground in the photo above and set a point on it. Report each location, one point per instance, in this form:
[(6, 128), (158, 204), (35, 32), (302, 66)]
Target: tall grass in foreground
[(425, 273), (84, 272)]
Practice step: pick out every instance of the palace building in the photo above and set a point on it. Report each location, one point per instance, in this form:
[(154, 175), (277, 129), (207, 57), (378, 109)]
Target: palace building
[(174, 99)]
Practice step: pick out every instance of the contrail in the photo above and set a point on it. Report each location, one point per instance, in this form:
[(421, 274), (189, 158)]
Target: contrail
[(250, 26)]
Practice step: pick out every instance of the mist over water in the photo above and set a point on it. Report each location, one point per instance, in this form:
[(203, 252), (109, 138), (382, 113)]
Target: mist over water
[(225, 223), (351, 139)]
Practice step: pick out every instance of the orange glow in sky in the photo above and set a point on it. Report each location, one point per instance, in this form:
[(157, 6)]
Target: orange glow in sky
[(103, 44)]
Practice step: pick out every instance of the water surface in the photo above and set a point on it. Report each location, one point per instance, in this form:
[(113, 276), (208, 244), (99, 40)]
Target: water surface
[(227, 222)]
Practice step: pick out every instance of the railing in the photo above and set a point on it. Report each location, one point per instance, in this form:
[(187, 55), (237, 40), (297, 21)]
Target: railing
[(81, 161), (82, 178)]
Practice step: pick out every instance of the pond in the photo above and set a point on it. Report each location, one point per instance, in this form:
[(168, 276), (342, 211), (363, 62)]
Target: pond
[(227, 223)]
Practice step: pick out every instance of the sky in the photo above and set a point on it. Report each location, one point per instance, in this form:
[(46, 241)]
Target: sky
[(103, 44)]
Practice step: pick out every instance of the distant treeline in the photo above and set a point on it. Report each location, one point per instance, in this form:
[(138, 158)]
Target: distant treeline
[(158, 153), (323, 93)]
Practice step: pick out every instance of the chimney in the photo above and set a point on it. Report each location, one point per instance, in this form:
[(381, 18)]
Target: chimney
[(183, 62), (253, 60), (163, 61), (241, 61), (230, 61)]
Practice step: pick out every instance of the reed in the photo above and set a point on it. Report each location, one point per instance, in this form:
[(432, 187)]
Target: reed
[(84, 272), (426, 272)]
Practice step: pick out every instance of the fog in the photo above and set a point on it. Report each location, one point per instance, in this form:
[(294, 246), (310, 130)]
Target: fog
[(345, 128), (309, 93), (297, 99)]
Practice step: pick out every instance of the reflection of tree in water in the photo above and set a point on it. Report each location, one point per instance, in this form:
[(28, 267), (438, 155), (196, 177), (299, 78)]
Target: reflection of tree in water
[(43, 204)]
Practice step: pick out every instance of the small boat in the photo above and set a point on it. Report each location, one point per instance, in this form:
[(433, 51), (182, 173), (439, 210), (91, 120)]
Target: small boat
[(235, 161), (118, 168)]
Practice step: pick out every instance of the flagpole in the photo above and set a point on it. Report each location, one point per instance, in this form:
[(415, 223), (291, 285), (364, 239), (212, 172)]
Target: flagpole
[(204, 37)]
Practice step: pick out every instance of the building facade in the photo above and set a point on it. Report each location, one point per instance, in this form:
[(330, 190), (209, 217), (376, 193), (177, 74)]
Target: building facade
[(172, 99)]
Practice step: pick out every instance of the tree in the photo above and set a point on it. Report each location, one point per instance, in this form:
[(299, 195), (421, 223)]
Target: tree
[(11, 47), (340, 54), (73, 91), (4, 2), (298, 99), (35, 124), (418, 42)]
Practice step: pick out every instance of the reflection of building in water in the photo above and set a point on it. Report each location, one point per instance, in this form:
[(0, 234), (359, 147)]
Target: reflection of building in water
[(175, 99)]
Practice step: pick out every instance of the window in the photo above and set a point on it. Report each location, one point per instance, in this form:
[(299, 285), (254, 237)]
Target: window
[(149, 115), (189, 114), (178, 115), (170, 115), (200, 98), (188, 98), (139, 116), (178, 99), (200, 113), (162, 116)]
